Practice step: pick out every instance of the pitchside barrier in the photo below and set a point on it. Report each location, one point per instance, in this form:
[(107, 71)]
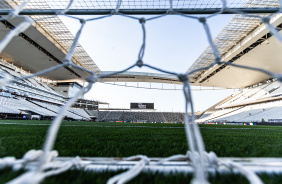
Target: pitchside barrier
[(43, 163)]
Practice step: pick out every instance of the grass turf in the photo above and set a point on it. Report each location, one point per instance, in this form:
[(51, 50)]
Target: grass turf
[(126, 139), (78, 177)]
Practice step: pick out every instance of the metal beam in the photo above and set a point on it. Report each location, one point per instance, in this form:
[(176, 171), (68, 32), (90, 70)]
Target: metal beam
[(143, 11)]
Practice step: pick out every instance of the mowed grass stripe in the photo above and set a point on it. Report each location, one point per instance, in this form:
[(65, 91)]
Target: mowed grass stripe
[(125, 139), (111, 126), (92, 141)]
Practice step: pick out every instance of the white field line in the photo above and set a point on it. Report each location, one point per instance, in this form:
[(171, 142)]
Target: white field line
[(237, 128), (108, 126), (116, 126)]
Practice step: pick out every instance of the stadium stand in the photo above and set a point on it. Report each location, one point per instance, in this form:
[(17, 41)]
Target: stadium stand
[(139, 116), (29, 97), (25, 98), (258, 103)]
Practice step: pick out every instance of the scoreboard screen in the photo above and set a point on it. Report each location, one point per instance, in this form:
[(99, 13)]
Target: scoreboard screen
[(141, 105)]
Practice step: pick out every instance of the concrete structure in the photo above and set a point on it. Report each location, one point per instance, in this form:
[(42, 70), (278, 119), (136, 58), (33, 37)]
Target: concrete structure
[(253, 46), (50, 40)]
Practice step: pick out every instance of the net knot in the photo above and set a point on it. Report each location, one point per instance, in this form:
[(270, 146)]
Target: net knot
[(139, 158), (142, 20), (211, 159), (32, 155), (193, 155), (52, 155), (217, 60), (82, 21), (139, 63), (278, 77), (92, 78), (265, 20), (202, 19), (182, 77), (59, 12), (76, 162), (67, 62), (146, 160), (170, 11), (224, 9), (114, 12), (13, 14), (131, 173), (7, 162)]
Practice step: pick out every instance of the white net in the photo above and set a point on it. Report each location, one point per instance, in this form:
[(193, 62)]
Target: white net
[(44, 163)]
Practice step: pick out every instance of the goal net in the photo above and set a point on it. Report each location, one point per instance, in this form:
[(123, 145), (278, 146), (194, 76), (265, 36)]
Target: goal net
[(40, 164)]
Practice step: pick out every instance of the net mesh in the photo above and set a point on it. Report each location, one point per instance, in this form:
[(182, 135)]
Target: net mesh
[(44, 163), (133, 4)]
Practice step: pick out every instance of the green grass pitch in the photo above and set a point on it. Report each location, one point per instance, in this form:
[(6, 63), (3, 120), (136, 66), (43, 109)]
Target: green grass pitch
[(93, 139)]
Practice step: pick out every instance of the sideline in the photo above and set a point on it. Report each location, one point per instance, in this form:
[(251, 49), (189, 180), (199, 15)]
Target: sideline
[(108, 126), (118, 126)]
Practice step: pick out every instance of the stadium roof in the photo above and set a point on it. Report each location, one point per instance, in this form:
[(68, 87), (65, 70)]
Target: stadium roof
[(55, 31), (127, 5), (141, 77), (34, 52), (258, 49), (60, 38), (240, 33)]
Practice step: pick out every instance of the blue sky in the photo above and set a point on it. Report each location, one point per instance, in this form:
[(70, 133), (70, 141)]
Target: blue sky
[(173, 43)]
